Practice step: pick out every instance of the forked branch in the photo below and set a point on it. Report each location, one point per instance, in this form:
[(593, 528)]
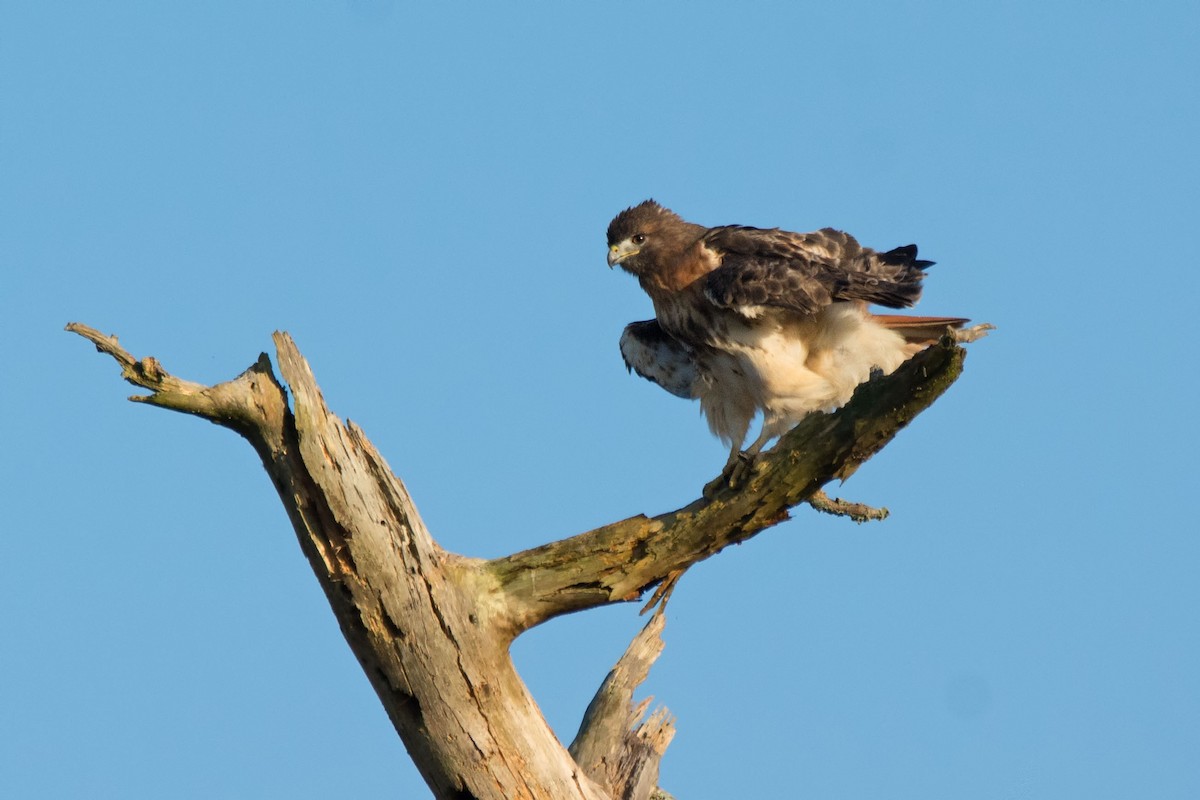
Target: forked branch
[(432, 629)]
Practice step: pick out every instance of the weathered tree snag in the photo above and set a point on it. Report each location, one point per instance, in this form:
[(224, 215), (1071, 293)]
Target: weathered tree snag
[(614, 745), (432, 629)]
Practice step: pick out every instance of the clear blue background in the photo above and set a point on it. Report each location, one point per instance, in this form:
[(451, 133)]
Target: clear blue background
[(419, 193)]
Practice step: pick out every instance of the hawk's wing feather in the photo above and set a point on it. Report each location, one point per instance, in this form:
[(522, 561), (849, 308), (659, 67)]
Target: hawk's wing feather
[(744, 281), (807, 271), (652, 353)]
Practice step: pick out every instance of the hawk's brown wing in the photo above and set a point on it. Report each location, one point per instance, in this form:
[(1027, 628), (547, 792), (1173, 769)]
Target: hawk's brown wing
[(805, 272)]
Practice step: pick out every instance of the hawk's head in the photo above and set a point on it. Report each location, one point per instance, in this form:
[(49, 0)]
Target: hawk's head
[(645, 235)]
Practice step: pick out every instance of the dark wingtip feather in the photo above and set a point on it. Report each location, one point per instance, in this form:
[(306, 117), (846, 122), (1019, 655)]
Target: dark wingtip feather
[(905, 256)]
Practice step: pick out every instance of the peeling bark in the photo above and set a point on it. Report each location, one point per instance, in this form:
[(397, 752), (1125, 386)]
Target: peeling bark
[(432, 629)]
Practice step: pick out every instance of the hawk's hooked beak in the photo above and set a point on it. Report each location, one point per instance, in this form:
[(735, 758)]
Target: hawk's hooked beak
[(619, 252)]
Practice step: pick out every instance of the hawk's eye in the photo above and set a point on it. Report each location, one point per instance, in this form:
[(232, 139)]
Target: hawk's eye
[(639, 238)]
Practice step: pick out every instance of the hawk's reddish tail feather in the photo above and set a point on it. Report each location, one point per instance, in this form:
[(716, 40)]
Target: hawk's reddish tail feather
[(919, 329)]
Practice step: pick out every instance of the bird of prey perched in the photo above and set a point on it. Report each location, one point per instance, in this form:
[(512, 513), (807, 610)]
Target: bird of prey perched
[(752, 320)]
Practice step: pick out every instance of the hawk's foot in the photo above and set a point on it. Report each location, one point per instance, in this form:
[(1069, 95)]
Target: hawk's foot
[(734, 476)]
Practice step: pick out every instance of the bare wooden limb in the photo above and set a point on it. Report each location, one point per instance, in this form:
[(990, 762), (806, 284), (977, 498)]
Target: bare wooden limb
[(973, 333), (253, 403), (421, 621), (431, 629), (617, 562), (859, 512), (662, 593), (615, 746)]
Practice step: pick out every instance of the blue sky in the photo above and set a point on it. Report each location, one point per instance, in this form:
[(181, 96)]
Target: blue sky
[(419, 195)]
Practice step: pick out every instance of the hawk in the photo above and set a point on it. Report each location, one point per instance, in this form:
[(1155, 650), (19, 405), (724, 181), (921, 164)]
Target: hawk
[(764, 321)]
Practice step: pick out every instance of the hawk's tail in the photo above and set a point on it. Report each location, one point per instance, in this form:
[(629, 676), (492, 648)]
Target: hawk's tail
[(919, 330)]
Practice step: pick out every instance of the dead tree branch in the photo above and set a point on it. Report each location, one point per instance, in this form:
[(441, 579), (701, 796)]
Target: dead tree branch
[(432, 629), (618, 562), (614, 744), (844, 508)]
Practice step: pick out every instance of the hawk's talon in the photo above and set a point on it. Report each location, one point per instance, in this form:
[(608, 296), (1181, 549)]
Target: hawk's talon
[(734, 476)]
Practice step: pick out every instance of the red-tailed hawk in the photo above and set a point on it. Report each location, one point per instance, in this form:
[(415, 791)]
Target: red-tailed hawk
[(752, 320)]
